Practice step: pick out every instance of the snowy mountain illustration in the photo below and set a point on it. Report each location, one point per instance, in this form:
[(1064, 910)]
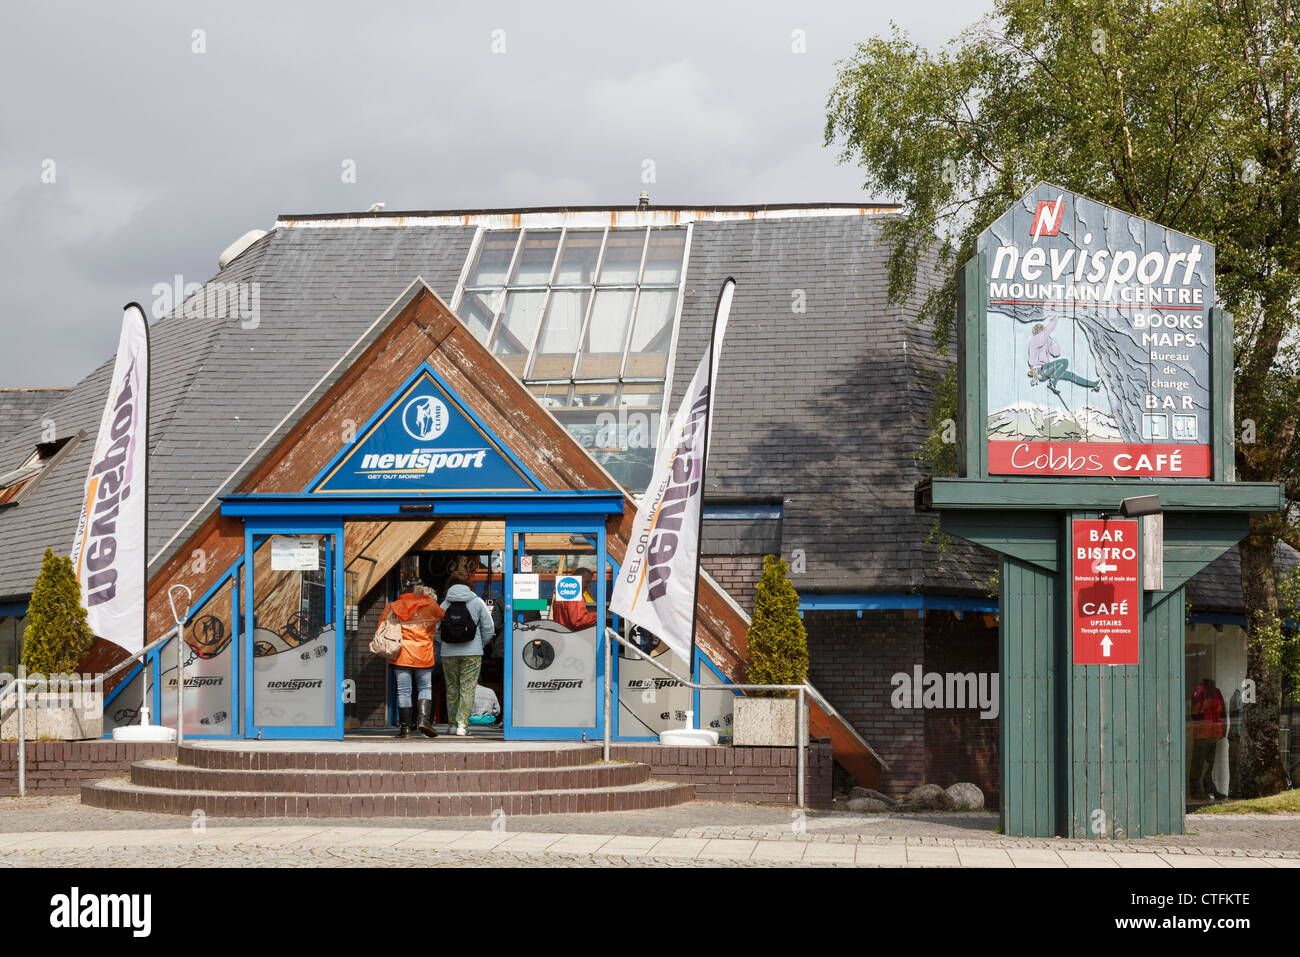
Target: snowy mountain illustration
[(1028, 421)]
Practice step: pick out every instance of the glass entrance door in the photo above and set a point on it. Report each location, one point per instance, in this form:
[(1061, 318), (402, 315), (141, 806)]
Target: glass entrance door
[(292, 665), (555, 618)]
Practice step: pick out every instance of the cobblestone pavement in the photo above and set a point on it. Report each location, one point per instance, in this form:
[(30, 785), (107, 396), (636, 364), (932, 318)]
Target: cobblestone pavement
[(55, 831)]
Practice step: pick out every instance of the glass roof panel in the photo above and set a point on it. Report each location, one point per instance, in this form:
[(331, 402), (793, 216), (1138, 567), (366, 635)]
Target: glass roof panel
[(578, 260), (622, 256), (494, 259), (663, 260), (653, 333), (514, 337), (602, 348), (536, 258), (558, 342)]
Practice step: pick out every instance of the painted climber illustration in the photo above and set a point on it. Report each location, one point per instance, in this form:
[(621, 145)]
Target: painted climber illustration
[(1045, 364)]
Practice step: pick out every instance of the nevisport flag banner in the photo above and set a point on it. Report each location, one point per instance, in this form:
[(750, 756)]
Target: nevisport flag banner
[(109, 549), (656, 585)]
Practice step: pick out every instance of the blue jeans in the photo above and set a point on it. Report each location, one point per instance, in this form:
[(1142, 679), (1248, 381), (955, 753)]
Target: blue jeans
[(423, 684)]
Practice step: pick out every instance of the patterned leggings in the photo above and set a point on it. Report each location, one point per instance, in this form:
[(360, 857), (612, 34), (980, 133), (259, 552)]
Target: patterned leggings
[(461, 674)]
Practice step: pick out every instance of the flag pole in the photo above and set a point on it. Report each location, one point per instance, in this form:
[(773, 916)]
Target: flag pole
[(724, 294), (144, 551)]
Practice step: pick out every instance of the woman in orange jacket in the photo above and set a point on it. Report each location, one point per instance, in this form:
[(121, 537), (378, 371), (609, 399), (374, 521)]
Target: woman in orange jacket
[(419, 615)]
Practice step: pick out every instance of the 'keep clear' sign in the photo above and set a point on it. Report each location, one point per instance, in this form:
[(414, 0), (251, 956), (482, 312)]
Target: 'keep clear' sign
[(1107, 591)]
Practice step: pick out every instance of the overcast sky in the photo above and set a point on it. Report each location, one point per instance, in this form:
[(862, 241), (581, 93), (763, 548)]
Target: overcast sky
[(162, 156)]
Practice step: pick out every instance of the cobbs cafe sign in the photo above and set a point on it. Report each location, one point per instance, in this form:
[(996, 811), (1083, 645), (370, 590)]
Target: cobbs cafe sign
[(1098, 345)]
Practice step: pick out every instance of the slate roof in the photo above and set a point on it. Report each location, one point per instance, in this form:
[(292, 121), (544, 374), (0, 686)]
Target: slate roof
[(1218, 586), (21, 407), (820, 410), (219, 388), (823, 409)]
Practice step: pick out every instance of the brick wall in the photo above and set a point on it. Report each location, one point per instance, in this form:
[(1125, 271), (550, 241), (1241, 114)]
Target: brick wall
[(738, 575), (62, 767), (959, 744), (369, 670), (745, 775), (851, 660)]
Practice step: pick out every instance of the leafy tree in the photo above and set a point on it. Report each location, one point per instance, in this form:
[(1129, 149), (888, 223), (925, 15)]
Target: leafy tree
[(778, 643), (1180, 111), (57, 635)]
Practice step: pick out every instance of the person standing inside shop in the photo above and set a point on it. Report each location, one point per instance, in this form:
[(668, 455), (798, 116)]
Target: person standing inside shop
[(419, 615), (465, 628), (574, 615), (1208, 713)]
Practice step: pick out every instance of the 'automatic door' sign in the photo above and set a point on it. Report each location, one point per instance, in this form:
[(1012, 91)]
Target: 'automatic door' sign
[(1107, 592), (1098, 342)]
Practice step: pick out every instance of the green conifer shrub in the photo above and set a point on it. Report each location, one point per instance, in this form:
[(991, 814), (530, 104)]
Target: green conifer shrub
[(778, 644), (57, 635)]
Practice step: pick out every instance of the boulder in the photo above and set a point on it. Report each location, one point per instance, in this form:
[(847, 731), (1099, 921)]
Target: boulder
[(868, 806), (873, 795), (930, 797), (966, 796)]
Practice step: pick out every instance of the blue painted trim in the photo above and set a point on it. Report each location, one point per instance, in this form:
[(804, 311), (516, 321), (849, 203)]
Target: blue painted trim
[(255, 534), (523, 527), (121, 686), (13, 609), (1216, 618), (894, 602), (721, 512), (364, 432), (585, 504), (717, 674)]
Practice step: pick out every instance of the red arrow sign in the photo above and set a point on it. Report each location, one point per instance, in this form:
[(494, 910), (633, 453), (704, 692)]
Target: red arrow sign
[(1107, 591)]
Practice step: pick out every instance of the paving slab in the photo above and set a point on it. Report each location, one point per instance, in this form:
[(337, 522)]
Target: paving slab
[(830, 853), (1087, 859), (1132, 859), (728, 849), (933, 857), (983, 857), (789, 851), (631, 844), (433, 837), (523, 841), (677, 847), (1034, 857), (1190, 860), (578, 844)]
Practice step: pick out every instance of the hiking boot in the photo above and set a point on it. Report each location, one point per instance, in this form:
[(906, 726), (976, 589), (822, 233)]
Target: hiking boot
[(425, 707)]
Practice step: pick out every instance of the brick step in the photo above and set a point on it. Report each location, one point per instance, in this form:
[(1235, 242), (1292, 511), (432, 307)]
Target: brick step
[(162, 773), (123, 795), (444, 753)]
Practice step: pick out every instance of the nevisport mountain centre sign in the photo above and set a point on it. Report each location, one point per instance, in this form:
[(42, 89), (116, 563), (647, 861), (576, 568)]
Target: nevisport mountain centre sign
[(1098, 342)]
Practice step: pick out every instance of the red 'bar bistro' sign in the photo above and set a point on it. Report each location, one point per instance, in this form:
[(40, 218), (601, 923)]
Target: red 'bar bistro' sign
[(1089, 458), (1107, 591)]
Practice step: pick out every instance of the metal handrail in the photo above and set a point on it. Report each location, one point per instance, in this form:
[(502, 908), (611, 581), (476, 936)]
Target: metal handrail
[(175, 631), (801, 691)]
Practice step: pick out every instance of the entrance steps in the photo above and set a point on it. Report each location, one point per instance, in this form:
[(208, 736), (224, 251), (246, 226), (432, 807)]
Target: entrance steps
[(384, 778)]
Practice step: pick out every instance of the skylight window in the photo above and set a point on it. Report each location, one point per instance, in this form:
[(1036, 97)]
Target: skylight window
[(586, 318), (16, 485)]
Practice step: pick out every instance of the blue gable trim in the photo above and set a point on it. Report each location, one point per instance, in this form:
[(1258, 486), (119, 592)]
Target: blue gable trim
[(462, 437)]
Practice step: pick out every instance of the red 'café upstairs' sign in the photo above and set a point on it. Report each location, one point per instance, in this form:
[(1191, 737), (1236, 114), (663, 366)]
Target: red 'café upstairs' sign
[(1098, 342), (1107, 591)]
